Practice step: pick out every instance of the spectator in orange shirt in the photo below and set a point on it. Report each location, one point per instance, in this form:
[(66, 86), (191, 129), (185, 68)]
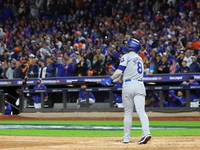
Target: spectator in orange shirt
[(196, 43)]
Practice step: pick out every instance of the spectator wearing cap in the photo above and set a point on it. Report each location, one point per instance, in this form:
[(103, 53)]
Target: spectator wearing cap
[(173, 100), (10, 71), (33, 69), (61, 67), (188, 57), (175, 67), (70, 68), (155, 100), (42, 69), (184, 68), (36, 96), (157, 63), (181, 56), (163, 66), (51, 70), (194, 66), (30, 53), (194, 94), (18, 71)]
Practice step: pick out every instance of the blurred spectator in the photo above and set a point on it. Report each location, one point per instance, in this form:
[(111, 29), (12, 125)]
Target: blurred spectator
[(101, 56), (194, 94), (1, 72), (163, 66), (157, 63), (61, 68), (81, 101), (82, 67), (188, 57), (5, 69), (33, 69), (198, 57), (194, 66), (10, 71), (51, 70), (146, 69), (49, 29), (70, 68), (36, 96), (182, 98), (42, 69), (184, 68), (175, 67), (18, 71), (180, 57), (96, 62)]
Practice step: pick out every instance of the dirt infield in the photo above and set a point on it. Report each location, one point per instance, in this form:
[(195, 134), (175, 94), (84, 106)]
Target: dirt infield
[(97, 143), (187, 118)]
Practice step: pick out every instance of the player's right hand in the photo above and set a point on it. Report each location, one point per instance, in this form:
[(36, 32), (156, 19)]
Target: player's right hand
[(107, 82)]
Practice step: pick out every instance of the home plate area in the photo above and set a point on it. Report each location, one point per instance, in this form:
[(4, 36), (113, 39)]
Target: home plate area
[(97, 143)]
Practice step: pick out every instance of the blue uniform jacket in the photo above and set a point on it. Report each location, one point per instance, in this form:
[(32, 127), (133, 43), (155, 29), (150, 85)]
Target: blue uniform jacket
[(194, 94), (183, 101), (82, 95), (118, 95), (61, 69), (174, 101), (156, 103), (8, 109), (70, 70), (36, 96)]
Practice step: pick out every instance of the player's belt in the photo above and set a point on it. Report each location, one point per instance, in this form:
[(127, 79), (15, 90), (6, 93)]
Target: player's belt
[(128, 80)]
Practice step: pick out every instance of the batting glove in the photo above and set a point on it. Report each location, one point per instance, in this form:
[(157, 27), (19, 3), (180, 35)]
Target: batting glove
[(107, 82)]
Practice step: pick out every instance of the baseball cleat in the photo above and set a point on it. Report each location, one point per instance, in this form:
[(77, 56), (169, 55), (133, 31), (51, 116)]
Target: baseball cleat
[(125, 141), (144, 139)]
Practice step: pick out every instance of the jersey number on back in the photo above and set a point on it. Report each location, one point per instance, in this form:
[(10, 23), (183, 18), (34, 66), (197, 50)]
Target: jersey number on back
[(139, 69)]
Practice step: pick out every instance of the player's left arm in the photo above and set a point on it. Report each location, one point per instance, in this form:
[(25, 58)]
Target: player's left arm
[(118, 73)]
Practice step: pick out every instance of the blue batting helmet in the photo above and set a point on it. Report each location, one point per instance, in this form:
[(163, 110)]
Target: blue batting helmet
[(133, 45)]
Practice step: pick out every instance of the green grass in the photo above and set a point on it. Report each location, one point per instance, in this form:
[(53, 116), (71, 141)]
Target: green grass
[(152, 123), (100, 133), (90, 133)]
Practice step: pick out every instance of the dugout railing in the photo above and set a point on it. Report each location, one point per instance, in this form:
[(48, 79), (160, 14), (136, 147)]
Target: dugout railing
[(110, 90)]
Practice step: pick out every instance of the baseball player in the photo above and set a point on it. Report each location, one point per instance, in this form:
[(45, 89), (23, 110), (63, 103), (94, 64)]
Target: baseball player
[(133, 90)]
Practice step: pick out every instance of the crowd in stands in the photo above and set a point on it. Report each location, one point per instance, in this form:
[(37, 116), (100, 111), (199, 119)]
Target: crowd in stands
[(60, 38)]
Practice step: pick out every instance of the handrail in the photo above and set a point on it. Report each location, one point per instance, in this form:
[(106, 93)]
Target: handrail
[(104, 89)]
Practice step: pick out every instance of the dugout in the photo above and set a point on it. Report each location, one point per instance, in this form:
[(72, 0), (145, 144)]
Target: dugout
[(158, 81)]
